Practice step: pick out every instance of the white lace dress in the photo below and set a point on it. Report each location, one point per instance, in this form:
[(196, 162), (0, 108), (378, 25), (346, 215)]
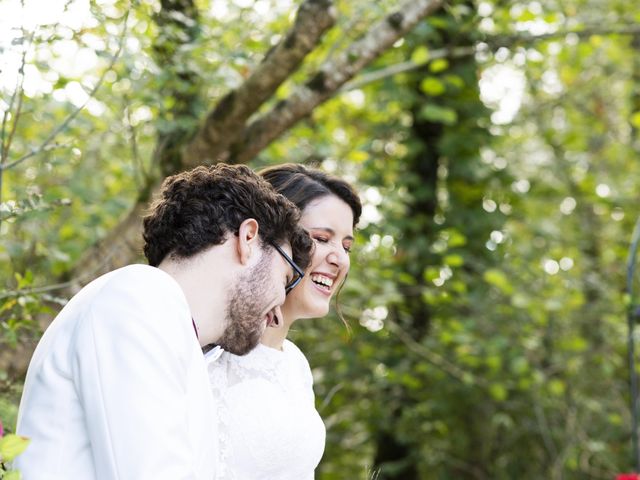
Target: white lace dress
[(268, 426)]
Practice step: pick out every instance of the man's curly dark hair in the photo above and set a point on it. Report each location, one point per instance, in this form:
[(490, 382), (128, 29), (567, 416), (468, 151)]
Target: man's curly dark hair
[(203, 206)]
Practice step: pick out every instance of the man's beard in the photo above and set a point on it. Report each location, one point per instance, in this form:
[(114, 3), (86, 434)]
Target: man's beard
[(246, 309)]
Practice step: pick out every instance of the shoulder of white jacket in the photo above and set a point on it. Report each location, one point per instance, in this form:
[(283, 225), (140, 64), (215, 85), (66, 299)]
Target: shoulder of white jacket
[(294, 350), (139, 271), (139, 277), (143, 287)]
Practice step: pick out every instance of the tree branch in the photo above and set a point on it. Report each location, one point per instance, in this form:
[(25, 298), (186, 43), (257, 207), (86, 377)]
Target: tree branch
[(329, 78), (225, 122), (124, 243)]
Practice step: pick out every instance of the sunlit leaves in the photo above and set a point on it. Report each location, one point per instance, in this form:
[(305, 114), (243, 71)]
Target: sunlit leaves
[(11, 446), (489, 240), (435, 113), (499, 280), (420, 55)]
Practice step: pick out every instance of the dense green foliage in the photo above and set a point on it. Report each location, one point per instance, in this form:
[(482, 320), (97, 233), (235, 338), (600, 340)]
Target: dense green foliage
[(486, 298)]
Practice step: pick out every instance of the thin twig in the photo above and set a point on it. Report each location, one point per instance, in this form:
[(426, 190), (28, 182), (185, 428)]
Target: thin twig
[(55, 286), (435, 359), (21, 211), (5, 116), (493, 42), (632, 318), (406, 67), (16, 93), (330, 395), (38, 290), (14, 126), (140, 174), (586, 31), (544, 430)]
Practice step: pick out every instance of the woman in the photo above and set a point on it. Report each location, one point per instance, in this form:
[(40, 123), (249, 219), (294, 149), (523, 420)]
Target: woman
[(268, 426)]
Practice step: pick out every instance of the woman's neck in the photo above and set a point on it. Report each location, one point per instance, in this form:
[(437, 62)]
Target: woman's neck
[(274, 337)]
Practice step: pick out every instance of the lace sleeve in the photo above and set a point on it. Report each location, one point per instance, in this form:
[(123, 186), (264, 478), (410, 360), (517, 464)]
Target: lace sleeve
[(216, 368)]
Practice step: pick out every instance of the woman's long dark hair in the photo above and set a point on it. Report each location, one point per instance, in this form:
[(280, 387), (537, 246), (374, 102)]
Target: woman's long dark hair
[(302, 185)]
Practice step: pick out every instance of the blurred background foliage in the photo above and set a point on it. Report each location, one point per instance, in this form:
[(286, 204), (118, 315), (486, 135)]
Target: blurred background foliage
[(499, 170)]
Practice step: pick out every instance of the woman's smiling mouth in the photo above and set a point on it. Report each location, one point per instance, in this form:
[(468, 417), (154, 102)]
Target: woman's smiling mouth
[(323, 281)]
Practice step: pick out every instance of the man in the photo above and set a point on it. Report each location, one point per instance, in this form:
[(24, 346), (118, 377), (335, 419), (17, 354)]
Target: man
[(117, 387)]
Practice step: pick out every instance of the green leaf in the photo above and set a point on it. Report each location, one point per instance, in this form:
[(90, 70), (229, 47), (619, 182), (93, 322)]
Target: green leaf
[(358, 156), (494, 362), (420, 55), (519, 365), (596, 40), (635, 119), (12, 476), (527, 16), (499, 280), (434, 113), (431, 273), (439, 65), (456, 239), (454, 80), (11, 446), (498, 392), (432, 86), (556, 387), (454, 260), (61, 83)]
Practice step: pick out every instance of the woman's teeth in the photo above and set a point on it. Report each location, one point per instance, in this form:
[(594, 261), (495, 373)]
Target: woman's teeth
[(322, 280)]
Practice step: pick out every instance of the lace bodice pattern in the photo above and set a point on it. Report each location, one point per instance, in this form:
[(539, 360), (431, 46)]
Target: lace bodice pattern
[(269, 428)]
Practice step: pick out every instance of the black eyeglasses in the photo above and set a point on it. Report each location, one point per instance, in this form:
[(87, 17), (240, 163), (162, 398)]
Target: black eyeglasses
[(297, 272)]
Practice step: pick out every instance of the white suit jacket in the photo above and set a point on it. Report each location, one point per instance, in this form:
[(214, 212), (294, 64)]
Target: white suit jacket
[(117, 387)]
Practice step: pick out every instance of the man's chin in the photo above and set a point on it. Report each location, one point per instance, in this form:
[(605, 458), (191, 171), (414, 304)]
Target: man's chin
[(240, 345), (240, 351)]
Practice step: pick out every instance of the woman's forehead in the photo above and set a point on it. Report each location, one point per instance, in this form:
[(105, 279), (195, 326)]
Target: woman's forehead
[(329, 213)]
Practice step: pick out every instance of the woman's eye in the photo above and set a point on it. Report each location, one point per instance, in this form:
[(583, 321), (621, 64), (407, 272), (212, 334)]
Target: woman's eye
[(321, 239), (347, 248)]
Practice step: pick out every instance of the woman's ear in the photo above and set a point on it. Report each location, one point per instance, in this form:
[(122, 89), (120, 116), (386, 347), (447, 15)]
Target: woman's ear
[(247, 240)]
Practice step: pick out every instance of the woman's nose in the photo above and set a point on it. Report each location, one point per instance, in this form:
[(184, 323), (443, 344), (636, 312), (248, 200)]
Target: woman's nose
[(338, 256)]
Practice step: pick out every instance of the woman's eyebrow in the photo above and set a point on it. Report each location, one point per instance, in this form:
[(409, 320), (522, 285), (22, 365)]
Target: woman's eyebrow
[(331, 231)]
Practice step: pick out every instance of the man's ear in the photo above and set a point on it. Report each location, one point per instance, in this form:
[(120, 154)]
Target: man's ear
[(248, 244)]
